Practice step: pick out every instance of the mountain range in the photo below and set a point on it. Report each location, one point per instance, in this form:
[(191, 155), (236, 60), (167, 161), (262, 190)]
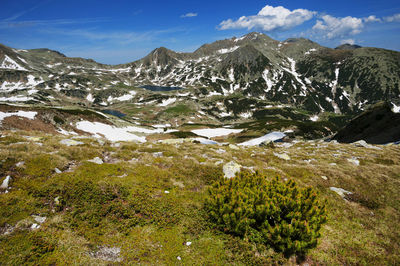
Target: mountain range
[(296, 72)]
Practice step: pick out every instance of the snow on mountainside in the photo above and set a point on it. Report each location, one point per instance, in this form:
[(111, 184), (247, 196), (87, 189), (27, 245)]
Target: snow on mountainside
[(295, 72)]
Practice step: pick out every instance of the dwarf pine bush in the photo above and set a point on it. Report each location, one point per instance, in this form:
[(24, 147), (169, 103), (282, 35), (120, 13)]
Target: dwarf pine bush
[(279, 214)]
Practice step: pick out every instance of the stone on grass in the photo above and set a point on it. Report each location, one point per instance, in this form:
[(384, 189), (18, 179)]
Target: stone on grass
[(354, 161), (364, 144), (96, 160), (282, 156), (233, 147), (39, 219), (71, 142), (107, 253), (158, 154), (230, 169), (324, 177), (58, 171), (6, 182), (340, 191)]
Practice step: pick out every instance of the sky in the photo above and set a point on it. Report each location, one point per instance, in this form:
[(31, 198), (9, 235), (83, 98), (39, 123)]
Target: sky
[(121, 31)]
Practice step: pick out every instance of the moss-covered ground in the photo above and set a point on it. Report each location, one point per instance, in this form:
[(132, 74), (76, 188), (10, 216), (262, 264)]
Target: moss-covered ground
[(150, 205)]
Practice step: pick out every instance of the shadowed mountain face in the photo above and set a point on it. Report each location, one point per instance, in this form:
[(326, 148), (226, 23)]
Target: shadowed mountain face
[(379, 125), (296, 72)]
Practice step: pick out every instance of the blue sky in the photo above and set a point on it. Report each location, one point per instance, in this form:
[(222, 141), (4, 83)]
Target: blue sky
[(121, 31)]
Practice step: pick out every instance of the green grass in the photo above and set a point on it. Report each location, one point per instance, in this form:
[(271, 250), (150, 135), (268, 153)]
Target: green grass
[(180, 109), (123, 204)]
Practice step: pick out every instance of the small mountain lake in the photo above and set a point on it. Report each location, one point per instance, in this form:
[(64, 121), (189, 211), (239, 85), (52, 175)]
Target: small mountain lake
[(113, 112), (160, 88)]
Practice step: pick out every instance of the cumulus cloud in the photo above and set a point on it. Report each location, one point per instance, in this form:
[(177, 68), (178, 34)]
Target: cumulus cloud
[(333, 27), (394, 18), (189, 15), (270, 18), (349, 41), (372, 19)]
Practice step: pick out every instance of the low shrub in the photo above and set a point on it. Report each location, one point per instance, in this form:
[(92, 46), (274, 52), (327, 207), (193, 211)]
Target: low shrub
[(279, 214)]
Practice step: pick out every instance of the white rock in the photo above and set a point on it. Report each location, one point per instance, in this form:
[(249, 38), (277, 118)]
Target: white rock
[(96, 160), (340, 191), (230, 169), (364, 144), (354, 161), (157, 154), (58, 171), (233, 147), (166, 192), (188, 243), (20, 164), (178, 258), (324, 177), (6, 182), (71, 142), (35, 226), (39, 219), (282, 156)]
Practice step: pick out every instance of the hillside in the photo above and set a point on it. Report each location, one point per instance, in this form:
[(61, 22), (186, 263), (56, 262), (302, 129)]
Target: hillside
[(110, 165), (143, 203)]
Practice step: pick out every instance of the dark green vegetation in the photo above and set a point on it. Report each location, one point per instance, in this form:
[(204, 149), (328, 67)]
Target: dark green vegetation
[(278, 214), (378, 125), (150, 207)]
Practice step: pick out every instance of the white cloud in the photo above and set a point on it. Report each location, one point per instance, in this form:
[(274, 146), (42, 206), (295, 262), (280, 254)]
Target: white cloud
[(394, 18), (372, 19), (189, 15), (349, 41), (270, 18), (333, 27)]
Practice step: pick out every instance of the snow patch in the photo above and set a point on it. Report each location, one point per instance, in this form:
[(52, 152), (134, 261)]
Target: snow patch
[(215, 132), (228, 50), (26, 114), (167, 102), (8, 63), (275, 135)]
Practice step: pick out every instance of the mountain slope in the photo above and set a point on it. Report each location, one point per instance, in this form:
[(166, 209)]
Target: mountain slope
[(297, 72)]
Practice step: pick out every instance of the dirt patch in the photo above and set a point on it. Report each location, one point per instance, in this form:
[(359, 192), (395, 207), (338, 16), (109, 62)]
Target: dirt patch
[(16, 122)]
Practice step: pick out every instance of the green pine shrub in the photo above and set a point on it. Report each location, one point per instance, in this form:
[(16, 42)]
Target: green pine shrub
[(278, 214)]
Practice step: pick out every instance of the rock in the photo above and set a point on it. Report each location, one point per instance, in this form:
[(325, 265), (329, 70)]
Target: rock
[(268, 143), (340, 191), (35, 226), (107, 254), (285, 145), (71, 142), (35, 139), (188, 243), (230, 169), (166, 192), (282, 156), (58, 171), (220, 151), (96, 160), (57, 200), (233, 147), (362, 143), (39, 219), (20, 164), (219, 162), (6, 182), (178, 258), (354, 161), (157, 154), (7, 229), (324, 177)]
